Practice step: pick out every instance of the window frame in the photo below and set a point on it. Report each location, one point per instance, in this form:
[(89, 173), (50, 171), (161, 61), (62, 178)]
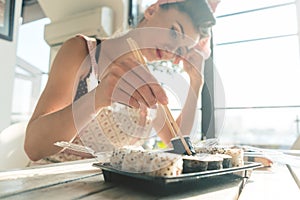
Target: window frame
[(209, 126)]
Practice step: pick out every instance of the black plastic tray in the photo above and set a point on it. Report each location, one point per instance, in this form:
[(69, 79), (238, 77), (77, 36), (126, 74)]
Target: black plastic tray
[(169, 184)]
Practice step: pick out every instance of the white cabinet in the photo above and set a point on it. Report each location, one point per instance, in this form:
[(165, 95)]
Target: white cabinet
[(98, 18), (96, 22)]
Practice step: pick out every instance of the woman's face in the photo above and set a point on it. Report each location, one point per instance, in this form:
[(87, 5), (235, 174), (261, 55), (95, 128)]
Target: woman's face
[(169, 32)]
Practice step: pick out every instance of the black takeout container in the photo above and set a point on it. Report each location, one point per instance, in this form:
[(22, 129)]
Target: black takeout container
[(159, 185)]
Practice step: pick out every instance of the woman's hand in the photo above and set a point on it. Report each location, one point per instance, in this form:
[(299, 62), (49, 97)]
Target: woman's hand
[(193, 60), (128, 82), (193, 65)]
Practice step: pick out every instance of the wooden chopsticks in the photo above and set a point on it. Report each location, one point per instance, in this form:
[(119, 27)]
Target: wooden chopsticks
[(171, 123)]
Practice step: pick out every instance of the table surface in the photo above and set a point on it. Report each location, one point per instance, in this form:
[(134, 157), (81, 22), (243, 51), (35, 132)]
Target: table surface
[(80, 180)]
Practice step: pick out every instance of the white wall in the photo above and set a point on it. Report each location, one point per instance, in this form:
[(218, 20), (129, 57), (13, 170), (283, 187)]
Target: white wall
[(298, 18), (7, 69)]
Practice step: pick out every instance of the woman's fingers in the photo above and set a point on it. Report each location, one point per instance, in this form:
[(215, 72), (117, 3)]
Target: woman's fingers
[(123, 97), (149, 88), (130, 89), (132, 84)]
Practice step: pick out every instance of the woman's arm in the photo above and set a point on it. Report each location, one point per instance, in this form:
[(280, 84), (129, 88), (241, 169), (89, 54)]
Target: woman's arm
[(55, 114), (193, 65), (52, 119)]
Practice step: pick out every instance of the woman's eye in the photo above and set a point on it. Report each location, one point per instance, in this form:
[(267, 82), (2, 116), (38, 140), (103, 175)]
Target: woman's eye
[(173, 32), (179, 51)]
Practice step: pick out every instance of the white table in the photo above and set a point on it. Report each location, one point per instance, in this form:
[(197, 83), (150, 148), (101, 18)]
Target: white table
[(80, 180)]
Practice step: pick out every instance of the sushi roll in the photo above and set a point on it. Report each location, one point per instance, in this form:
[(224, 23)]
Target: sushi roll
[(237, 156), (214, 162), (227, 160), (210, 150), (194, 164), (202, 162), (153, 163), (166, 164)]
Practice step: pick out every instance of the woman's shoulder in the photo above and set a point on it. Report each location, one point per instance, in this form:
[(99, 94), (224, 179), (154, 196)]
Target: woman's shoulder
[(82, 40), (72, 52), (78, 45), (85, 37), (75, 41), (88, 40)]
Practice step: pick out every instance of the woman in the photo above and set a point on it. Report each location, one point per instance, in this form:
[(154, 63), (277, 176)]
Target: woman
[(170, 30)]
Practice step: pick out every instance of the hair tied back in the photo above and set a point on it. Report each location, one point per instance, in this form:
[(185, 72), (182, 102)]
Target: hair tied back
[(162, 2)]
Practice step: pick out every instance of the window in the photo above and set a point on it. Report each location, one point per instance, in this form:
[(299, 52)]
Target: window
[(27, 86), (31, 70), (256, 55)]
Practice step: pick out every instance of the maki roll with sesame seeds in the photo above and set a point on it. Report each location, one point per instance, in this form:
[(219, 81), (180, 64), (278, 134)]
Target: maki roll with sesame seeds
[(202, 162), (227, 160), (237, 156), (194, 164), (153, 163), (214, 162)]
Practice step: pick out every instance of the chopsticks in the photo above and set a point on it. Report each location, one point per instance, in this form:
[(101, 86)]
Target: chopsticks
[(171, 123)]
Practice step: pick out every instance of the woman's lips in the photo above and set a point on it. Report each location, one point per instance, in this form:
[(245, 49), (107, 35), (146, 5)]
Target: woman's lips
[(164, 55)]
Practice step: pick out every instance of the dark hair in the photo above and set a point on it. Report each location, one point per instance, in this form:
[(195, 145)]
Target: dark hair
[(199, 11)]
